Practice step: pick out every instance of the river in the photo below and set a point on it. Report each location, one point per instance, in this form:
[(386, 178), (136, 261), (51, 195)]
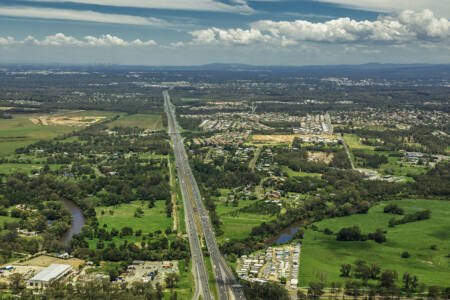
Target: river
[(285, 235), (77, 221)]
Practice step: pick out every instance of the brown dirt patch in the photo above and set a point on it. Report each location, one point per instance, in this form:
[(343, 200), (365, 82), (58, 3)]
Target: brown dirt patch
[(45, 261), (320, 156), (66, 120), (279, 138)]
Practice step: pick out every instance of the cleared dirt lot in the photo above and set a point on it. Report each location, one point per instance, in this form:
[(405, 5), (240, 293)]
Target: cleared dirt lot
[(26, 271), (320, 156), (141, 272), (278, 138), (65, 120), (45, 261)]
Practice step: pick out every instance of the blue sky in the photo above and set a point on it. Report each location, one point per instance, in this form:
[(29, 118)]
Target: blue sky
[(189, 32)]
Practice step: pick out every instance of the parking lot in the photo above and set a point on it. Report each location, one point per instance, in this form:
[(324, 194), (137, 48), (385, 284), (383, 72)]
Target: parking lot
[(149, 271)]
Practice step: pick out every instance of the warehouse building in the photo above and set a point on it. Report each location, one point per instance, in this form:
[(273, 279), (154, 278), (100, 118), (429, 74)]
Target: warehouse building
[(50, 274)]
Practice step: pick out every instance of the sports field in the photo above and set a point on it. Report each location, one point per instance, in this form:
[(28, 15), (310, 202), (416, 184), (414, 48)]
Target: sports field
[(144, 121), (321, 253)]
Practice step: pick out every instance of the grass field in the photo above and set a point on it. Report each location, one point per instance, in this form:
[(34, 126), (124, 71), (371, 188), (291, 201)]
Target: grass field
[(4, 219), (322, 253), (144, 121), (398, 168), (292, 173), (153, 219), (20, 132), (353, 142), (395, 165), (27, 168)]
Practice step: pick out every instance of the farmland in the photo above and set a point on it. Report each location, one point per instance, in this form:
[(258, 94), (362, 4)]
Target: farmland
[(431, 266)]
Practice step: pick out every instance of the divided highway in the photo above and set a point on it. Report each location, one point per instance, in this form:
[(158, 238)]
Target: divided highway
[(228, 288)]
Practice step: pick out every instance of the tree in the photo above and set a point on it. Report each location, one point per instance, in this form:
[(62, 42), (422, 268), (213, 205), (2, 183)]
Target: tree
[(139, 212), (353, 287), (407, 278), (379, 236), (301, 295), (174, 296), (345, 270), (262, 291), (349, 234), (17, 283), (434, 292), (315, 289), (171, 280), (446, 293), (388, 278), (405, 254), (375, 270), (159, 291)]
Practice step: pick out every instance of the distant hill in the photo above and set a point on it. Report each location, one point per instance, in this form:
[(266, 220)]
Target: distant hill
[(372, 70)]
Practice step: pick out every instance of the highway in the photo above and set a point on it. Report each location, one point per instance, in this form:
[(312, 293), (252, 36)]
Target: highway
[(198, 223)]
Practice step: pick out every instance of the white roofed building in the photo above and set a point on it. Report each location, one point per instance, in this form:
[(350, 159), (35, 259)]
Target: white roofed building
[(50, 274)]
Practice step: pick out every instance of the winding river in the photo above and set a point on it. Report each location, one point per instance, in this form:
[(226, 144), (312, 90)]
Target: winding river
[(77, 221)]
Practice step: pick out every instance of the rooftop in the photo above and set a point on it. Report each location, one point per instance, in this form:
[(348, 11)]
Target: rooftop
[(52, 272)]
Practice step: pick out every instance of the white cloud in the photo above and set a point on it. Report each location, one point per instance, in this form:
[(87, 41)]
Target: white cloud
[(425, 24), (240, 6), (177, 45), (7, 41), (229, 37), (61, 40), (440, 7), (408, 26), (78, 15)]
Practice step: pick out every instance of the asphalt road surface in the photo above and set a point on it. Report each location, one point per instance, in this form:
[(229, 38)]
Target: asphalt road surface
[(228, 288)]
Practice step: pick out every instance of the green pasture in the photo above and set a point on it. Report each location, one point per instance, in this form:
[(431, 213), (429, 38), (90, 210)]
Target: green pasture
[(292, 173), (321, 253), (21, 132), (353, 142), (143, 121), (123, 215), (238, 226)]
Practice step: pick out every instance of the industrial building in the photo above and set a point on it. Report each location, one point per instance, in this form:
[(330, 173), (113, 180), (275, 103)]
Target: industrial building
[(50, 274)]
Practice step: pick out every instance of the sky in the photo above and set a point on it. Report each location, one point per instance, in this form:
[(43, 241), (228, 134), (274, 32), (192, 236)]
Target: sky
[(194, 32)]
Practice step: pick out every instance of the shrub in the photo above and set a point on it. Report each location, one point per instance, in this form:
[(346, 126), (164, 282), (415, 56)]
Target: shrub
[(405, 254)]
